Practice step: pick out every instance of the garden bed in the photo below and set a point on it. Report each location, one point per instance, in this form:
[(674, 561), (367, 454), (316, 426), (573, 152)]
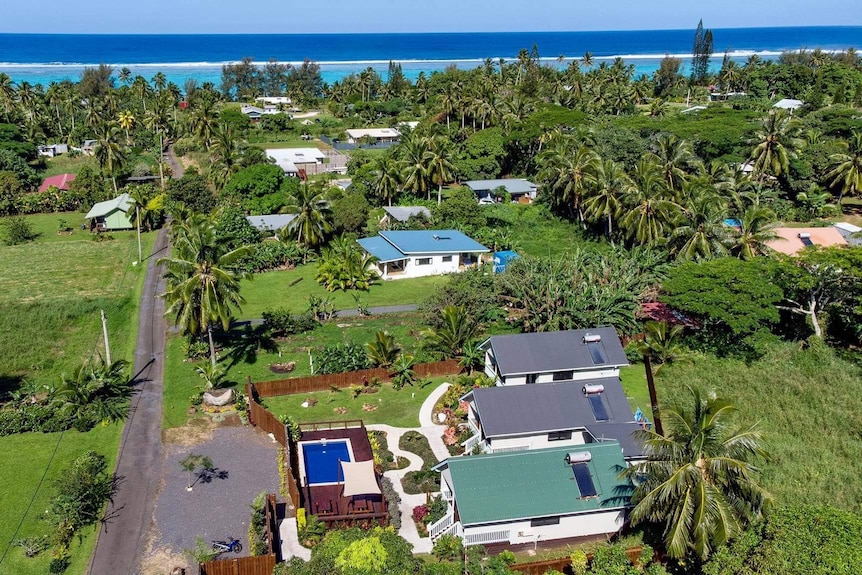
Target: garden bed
[(424, 480)]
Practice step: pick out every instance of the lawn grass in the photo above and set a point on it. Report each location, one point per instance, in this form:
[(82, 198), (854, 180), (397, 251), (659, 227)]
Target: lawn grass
[(25, 459), (67, 164), (181, 380), (273, 290), (635, 386), (536, 232), (399, 408), (49, 324), (807, 403)]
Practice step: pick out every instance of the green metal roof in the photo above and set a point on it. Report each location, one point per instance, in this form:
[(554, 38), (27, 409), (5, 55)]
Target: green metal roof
[(536, 483)]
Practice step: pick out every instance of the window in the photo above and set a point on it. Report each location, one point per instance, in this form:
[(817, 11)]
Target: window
[(563, 375), (423, 261), (560, 435), (542, 521), (532, 377), (447, 259)]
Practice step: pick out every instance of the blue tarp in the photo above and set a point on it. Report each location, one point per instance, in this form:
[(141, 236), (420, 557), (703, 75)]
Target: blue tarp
[(502, 259)]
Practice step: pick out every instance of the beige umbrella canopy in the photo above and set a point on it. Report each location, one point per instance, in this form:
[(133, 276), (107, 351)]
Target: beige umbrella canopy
[(359, 478)]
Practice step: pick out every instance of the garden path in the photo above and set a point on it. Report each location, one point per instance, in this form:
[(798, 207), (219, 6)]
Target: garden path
[(433, 433), (290, 546)]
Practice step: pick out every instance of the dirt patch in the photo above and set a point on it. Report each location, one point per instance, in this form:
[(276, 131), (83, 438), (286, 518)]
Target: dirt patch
[(162, 561), (197, 430)]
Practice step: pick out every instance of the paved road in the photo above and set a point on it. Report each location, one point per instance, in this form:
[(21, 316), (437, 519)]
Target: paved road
[(177, 169), (122, 539)]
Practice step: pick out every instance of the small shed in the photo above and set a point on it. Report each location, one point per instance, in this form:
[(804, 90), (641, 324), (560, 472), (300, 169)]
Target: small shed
[(115, 214), (502, 260)]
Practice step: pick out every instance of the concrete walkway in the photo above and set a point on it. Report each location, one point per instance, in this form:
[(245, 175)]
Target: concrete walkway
[(122, 538), (289, 536), (434, 434)]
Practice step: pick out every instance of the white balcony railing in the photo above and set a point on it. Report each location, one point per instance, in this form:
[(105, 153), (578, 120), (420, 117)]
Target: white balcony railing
[(471, 443), (485, 538)]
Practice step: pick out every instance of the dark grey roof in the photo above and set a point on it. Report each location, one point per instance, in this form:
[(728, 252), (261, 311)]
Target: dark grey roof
[(514, 410), (270, 222), (554, 351), (403, 213)]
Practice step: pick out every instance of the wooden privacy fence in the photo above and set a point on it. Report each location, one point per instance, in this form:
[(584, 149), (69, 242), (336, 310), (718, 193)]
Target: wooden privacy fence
[(271, 523), (325, 382), (260, 417), (260, 565)]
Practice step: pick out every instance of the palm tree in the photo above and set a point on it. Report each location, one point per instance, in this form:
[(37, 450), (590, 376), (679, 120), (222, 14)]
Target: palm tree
[(846, 169), (702, 233), (774, 144), (203, 282), (441, 167), (606, 188), (97, 389), (387, 179), (416, 158), (345, 266), (456, 330), (757, 226), (225, 156), (384, 350), (110, 153), (312, 221), (700, 481), (567, 170), (125, 76), (673, 156), (7, 93), (126, 121), (662, 343), (650, 209)]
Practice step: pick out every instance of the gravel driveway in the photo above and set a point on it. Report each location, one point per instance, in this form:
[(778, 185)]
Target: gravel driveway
[(246, 463)]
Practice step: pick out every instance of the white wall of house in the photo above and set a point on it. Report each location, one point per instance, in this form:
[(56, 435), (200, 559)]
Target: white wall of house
[(537, 441), (519, 532), (429, 265), (548, 377)]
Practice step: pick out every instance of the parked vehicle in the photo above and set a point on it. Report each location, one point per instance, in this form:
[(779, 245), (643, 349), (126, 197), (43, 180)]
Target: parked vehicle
[(227, 546)]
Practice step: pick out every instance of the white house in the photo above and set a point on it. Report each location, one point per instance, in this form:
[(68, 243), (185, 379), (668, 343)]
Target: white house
[(377, 134), (563, 414), (517, 188), (530, 496), (412, 254), (255, 113), (292, 160), (571, 355), (53, 150), (850, 232)]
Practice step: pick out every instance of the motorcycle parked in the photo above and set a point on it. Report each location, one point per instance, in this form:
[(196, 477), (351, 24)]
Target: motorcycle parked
[(227, 546)]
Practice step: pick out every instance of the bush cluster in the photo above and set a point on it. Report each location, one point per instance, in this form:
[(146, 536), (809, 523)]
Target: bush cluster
[(280, 322), (341, 357), (29, 417), (393, 500)]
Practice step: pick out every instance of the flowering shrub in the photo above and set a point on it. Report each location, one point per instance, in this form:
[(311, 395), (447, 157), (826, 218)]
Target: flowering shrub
[(450, 436), (420, 512)]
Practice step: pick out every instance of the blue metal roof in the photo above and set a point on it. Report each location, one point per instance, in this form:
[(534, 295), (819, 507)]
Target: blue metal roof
[(412, 242), (381, 249)]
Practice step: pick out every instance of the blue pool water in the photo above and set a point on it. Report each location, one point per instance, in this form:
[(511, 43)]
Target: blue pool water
[(322, 461)]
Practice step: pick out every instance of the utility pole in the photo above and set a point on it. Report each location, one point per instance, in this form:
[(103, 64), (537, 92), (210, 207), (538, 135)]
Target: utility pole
[(138, 216), (105, 332)]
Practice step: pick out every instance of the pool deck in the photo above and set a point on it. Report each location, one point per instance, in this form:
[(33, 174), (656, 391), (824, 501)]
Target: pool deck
[(326, 501)]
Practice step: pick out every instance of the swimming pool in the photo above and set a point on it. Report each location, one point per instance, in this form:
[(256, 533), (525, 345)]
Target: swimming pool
[(321, 459)]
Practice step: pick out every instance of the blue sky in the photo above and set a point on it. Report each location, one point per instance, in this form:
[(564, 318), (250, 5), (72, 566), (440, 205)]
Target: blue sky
[(346, 16)]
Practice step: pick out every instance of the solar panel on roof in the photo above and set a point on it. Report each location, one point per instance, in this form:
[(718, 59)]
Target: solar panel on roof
[(806, 241), (596, 352), (598, 407), (585, 480)]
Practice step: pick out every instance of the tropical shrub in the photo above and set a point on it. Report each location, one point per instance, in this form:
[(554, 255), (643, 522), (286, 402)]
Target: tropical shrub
[(341, 357), (393, 500), (257, 526), (17, 230), (281, 323)]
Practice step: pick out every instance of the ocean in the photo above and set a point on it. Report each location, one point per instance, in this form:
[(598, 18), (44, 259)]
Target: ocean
[(41, 59)]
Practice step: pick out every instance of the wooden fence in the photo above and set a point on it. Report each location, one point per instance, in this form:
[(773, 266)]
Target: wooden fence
[(260, 565), (271, 523), (325, 382), (262, 418), (563, 564)]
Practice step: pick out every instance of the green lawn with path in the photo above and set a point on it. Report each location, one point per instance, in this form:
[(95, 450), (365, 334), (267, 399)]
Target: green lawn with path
[(273, 290), (395, 407)]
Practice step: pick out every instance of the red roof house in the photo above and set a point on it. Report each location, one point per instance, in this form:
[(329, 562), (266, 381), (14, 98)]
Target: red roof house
[(61, 181)]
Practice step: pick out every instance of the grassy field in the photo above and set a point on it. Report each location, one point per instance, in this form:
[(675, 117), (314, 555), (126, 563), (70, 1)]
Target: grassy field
[(536, 232), (399, 408), (181, 380), (635, 385), (67, 164), (273, 290), (808, 404), (51, 291)]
